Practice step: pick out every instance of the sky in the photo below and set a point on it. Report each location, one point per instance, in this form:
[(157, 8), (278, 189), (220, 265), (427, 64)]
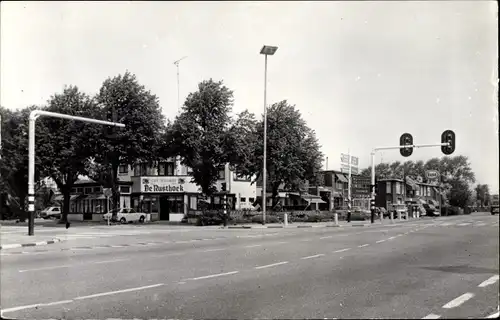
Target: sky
[(361, 73)]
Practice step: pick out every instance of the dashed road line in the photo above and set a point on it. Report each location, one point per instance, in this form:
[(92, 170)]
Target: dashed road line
[(380, 241), (363, 245), (494, 315), (31, 306), (214, 275), (311, 257), (391, 238), (489, 281), (45, 268), (212, 250), (463, 224), (327, 237), (253, 246), (118, 291), (271, 265), (342, 250), (432, 316), (458, 301)]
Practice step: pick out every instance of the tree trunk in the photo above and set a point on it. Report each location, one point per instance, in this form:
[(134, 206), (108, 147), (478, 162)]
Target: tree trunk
[(66, 191), (275, 197)]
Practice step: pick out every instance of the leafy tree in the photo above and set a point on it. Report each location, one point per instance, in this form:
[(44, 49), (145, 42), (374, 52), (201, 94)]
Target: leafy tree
[(293, 151), (14, 160), (483, 194), (123, 99), (64, 145), (203, 137)]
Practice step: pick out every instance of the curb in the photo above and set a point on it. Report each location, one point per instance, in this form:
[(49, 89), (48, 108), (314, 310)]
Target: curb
[(32, 244)]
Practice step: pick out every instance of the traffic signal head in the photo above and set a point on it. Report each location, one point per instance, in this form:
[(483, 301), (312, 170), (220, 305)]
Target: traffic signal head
[(448, 137), (223, 186), (406, 140)]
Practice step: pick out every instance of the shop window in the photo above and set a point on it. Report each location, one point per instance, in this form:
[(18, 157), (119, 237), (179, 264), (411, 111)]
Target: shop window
[(79, 190), (124, 189), (388, 187), (193, 203), (161, 168), (398, 188), (170, 168), (88, 190), (123, 169), (216, 200)]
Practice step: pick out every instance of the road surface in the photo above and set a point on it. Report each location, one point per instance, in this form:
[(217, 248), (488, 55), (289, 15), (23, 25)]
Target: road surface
[(442, 268)]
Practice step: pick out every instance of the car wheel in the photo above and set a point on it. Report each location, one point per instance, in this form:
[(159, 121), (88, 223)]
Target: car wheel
[(123, 221), (141, 219)]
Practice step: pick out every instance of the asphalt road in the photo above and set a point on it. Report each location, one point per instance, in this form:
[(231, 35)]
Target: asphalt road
[(446, 267)]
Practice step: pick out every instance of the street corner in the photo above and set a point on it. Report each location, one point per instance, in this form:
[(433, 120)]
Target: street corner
[(29, 244)]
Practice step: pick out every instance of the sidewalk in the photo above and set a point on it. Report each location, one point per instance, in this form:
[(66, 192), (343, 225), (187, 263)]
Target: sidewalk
[(18, 240)]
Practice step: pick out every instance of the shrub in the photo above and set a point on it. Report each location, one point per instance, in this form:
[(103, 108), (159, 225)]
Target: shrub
[(269, 219)]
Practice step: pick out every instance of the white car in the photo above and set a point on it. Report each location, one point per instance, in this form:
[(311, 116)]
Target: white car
[(126, 215), (51, 212)]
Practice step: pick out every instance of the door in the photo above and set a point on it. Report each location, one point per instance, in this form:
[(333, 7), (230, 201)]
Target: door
[(164, 208)]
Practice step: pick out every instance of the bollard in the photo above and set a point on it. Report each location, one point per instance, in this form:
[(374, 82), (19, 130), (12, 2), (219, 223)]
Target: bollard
[(399, 215), (392, 216), (286, 219), (336, 218)]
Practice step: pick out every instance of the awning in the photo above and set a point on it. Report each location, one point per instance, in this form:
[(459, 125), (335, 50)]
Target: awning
[(435, 190), (314, 200), (434, 202), (422, 201), (71, 198), (95, 197), (311, 198), (341, 177)]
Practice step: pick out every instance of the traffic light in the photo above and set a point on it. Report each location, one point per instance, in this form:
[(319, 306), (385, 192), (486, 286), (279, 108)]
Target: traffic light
[(223, 186), (448, 137), (406, 140), (376, 188)]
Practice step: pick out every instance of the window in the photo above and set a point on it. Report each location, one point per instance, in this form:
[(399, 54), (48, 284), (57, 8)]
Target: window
[(73, 190), (125, 189), (222, 174), (398, 188), (97, 189), (170, 168), (388, 187), (161, 168), (193, 203), (251, 200), (88, 190), (123, 168), (242, 199), (79, 190), (216, 200)]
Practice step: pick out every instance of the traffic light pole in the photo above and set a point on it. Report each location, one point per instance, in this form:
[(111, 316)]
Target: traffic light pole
[(372, 200), (31, 155)]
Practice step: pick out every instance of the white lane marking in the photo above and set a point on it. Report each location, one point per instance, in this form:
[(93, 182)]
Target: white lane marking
[(212, 250), (314, 256), (281, 242), (364, 245), (446, 224), (46, 268), (380, 241), (432, 316), (254, 246), (463, 224), (342, 250), (110, 261), (458, 301), (391, 238), (327, 237), (305, 240), (214, 275), (117, 246), (406, 233), (491, 280), (118, 291), (35, 306), (480, 224), (272, 265)]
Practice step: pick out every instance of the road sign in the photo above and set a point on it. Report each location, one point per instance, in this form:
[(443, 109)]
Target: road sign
[(432, 174), (354, 161), (345, 169), (361, 186), (344, 158)]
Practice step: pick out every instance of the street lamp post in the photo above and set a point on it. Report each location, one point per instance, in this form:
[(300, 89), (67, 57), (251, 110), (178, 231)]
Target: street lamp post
[(266, 50)]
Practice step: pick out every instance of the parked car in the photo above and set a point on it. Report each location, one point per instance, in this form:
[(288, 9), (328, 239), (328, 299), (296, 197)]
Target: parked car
[(51, 213), (125, 215)]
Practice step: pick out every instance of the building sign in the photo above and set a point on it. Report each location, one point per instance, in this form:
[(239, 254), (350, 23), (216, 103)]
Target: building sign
[(432, 175), (168, 185), (360, 186)]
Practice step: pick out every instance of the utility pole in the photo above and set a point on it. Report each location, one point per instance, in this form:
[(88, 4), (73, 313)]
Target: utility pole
[(178, 83)]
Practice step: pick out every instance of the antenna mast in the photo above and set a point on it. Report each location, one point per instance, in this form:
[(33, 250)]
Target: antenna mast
[(178, 85)]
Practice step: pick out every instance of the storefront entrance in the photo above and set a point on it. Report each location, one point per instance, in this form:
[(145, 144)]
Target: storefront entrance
[(171, 204)]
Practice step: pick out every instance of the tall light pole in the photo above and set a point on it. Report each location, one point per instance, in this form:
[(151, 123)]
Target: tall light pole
[(178, 83), (266, 51)]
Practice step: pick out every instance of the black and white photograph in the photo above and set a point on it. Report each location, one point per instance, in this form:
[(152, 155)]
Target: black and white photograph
[(249, 160)]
